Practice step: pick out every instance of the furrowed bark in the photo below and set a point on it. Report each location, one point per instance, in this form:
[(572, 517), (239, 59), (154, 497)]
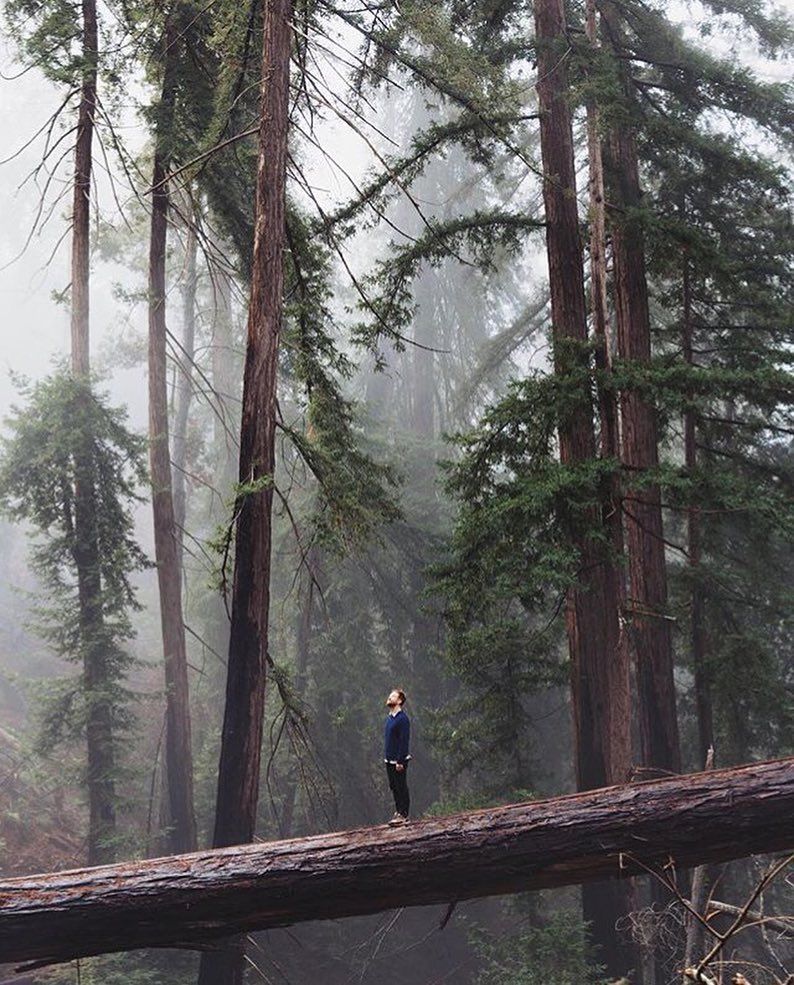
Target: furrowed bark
[(647, 603), (241, 739), (604, 905), (190, 900), (178, 751), (599, 672)]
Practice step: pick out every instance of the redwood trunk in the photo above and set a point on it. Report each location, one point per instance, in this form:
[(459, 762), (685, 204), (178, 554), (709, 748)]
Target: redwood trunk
[(618, 667), (241, 740), (238, 779), (178, 752), (189, 900), (647, 603), (99, 721), (599, 675)]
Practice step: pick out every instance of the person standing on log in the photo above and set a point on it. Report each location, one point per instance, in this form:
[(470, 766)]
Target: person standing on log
[(397, 738)]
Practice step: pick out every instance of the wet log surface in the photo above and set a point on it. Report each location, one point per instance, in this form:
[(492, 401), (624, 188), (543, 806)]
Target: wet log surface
[(188, 900)]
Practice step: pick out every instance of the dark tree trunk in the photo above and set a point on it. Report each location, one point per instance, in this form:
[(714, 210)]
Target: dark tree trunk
[(599, 677), (618, 667), (178, 751), (647, 603), (191, 900), (617, 954), (99, 724), (241, 740), (238, 779), (184, 384)]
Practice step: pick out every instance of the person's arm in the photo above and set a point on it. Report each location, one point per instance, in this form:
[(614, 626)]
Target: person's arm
[(404, 742)]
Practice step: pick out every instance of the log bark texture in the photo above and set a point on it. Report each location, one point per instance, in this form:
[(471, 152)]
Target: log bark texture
[(190, 900)]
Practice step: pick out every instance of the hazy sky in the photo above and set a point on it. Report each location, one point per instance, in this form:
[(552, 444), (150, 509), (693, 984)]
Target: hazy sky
[(35, 328)]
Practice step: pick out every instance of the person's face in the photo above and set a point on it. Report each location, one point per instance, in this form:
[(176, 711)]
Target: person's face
[(393, 700)]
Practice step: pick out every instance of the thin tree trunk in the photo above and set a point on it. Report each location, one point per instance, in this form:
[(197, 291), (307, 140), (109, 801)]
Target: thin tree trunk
[(184, 384), (599, 692), (303, 638), (698, 642), (241, 740), (99, 725), (647, 604), (178, 751), (81, 208), (698, 898), (193, 899), (225, 381)]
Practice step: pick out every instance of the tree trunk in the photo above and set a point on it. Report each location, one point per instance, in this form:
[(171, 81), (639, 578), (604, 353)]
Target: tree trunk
[(241, 740), (703, 701), (647, 604), (184, 384), (190, 900), (617, 955), (303, 640), (226, 375), (99, 724), (618, 667), (81, 207), (178, 751), (599, 677)]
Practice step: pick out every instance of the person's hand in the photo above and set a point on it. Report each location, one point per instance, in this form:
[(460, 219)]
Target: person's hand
[(399, 767)]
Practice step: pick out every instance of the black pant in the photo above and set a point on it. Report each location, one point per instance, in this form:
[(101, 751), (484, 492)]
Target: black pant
[(398, 784)]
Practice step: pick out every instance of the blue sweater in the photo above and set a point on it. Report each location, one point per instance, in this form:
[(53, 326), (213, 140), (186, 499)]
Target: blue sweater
[(396, 738)]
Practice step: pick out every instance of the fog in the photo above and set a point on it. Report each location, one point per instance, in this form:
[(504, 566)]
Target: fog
[(353, 615)]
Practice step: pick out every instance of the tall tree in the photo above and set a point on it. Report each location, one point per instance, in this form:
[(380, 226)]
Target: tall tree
[(178, 751), (238, 773), (647, 572), (99, 725), (599, 678)]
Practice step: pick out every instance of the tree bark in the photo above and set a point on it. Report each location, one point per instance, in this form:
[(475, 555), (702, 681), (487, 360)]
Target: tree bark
[(703, 702), (241, 739), (610, 833), (618, 667), (226, 375), (647, 603), (99, 719), (599, 674), (81, 200), (184, 384), (178, 751), (238, 779)]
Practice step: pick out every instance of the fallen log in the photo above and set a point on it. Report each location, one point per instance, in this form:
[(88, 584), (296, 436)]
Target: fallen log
[(190, 900)]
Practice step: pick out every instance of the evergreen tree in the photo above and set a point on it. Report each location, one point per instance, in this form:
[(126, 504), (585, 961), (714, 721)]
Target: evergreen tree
[(65, 431)]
